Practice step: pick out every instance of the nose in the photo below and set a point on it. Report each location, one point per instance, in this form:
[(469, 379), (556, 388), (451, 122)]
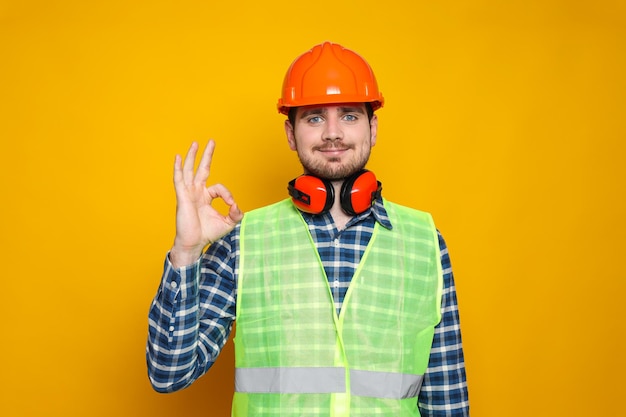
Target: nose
[(332, 128)]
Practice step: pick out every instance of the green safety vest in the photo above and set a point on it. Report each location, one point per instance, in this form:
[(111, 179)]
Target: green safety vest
[(294, 356)]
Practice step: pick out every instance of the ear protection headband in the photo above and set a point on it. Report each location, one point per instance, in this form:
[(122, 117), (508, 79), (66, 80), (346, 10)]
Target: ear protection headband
[(316, 195)]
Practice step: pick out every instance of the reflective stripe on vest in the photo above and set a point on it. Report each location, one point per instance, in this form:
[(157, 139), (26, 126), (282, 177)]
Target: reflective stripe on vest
[(291, 380), (326, 380)]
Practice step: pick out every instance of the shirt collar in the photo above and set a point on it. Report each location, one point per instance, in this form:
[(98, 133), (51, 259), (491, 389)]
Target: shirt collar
[(377, 211), (380, 214)]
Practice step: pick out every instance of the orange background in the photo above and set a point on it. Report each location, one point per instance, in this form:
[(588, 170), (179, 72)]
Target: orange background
[(506, 120)]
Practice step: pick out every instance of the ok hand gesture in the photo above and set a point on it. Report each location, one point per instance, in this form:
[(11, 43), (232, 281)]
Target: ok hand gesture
[(197, 222)]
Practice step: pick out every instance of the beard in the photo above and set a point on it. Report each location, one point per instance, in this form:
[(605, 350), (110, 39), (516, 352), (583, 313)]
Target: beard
[(333, 168)]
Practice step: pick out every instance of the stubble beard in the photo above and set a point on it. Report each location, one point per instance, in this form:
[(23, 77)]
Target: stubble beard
[(333, 169)]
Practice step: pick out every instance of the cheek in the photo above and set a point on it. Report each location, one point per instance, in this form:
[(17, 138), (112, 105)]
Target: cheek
[(304, 140)]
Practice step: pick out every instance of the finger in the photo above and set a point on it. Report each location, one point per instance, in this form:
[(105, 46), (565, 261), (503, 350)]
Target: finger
[(190, 161), (178, 172), (220, 191), (204, 168), (234, 214)]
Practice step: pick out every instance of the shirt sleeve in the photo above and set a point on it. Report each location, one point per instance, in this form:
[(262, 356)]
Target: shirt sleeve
[(444, 391), (191, 317)]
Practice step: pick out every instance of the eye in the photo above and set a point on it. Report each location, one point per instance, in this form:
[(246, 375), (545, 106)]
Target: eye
[(350, 117), (314, 119)]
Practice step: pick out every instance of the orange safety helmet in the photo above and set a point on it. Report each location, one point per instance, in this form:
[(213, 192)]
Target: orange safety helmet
[(329, 73)]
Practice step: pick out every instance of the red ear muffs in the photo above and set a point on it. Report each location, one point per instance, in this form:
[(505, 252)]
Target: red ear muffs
[(312, 194), (316, 195), (359, 191)]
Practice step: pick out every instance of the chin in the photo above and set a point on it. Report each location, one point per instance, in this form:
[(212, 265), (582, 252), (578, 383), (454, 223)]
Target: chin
[(335, 174)]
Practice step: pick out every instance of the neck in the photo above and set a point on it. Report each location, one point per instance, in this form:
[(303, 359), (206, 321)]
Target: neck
[(339, 216)]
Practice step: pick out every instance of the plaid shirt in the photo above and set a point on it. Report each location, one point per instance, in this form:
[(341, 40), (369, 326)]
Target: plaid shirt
[(193, 312)]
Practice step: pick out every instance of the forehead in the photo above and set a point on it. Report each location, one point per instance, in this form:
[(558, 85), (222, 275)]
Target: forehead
[(329, 108)]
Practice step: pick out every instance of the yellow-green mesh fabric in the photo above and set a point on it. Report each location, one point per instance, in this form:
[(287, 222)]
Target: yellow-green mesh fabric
[(286, 315)]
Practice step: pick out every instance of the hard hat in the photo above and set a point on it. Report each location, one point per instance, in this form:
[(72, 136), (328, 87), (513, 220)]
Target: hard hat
[(329, 73)]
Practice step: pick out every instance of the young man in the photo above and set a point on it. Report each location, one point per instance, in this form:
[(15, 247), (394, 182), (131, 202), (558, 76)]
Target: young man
[(345, 302)]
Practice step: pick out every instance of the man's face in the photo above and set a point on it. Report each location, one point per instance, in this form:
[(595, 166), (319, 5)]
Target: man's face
[(332, 141)]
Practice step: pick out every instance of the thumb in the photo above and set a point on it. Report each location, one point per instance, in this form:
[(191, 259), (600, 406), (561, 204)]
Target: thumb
[(234, 214)]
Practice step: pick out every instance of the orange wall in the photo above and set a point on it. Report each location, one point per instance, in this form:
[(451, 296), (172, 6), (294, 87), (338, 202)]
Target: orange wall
[(506, 120)]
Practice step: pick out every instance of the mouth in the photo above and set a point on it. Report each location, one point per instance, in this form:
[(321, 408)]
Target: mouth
[(333, 149), (334, 154)]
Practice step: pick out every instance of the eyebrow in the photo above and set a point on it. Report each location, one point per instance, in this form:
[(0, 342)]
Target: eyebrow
[(322, 110)]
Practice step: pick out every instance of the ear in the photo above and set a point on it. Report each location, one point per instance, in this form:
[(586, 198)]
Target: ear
[(373, 129), (291, 137)]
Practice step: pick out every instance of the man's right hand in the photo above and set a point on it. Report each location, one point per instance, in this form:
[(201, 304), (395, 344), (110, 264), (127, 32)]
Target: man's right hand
[(198, 224)]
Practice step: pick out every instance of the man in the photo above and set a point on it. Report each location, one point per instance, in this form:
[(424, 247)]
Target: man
[(345, 302)]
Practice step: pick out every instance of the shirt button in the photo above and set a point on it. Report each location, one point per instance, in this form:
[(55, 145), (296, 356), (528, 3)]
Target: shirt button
[(336, 284), (336, 242), (171, 328), (174, 284)]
